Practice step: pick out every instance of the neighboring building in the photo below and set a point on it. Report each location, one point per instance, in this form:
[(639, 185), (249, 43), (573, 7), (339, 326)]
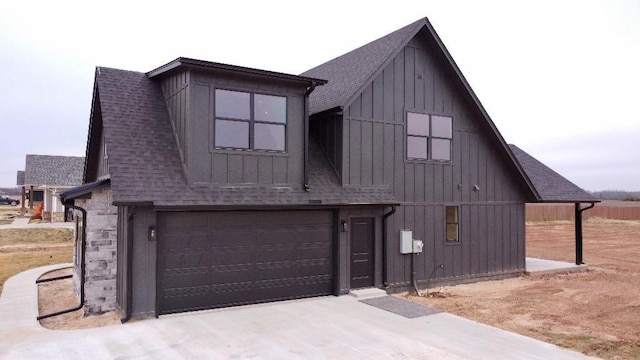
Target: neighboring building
[(226, 185), (45, 176)]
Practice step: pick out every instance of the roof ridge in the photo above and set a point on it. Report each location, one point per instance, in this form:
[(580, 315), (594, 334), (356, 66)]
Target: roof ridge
[(352, 71)]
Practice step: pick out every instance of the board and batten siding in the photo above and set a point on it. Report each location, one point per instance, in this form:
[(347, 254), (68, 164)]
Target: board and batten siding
[(373, 140), (176, 95), (190, 100)]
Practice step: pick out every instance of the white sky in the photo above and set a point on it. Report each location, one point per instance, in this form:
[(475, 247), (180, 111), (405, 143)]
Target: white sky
[(559, 78)]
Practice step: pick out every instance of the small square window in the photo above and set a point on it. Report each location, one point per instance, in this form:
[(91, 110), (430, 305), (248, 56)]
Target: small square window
[(441, 126), (416, 147), (270, 108), (233, 104), (441, 149), (417, 124), (429, 137), (269, 137), (232, 134)]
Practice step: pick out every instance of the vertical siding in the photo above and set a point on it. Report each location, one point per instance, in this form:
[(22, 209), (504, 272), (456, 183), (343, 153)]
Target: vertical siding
[(176, 93), (491, 218), (208, 165)]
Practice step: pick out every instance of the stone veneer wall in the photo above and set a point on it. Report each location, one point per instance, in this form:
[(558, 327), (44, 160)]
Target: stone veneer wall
[(100, 256)]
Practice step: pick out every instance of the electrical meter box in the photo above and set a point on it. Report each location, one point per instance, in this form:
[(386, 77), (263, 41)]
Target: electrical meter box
[(417, 246), (406, 241)]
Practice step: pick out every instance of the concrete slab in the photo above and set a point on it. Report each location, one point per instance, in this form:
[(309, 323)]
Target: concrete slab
[(363, 294), (536, 266), (318, 328)]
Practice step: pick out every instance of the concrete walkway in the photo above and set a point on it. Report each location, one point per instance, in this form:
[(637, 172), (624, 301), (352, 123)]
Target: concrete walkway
[(318, 328), (536, 266), (23, 223)]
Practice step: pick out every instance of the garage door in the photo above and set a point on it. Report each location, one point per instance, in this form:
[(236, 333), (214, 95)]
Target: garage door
[(217, 259)]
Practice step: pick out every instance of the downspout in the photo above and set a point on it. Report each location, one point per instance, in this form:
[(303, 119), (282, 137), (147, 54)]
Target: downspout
[(82, 265), (307, 186), (128, 311), (578, 224), (385, 280)]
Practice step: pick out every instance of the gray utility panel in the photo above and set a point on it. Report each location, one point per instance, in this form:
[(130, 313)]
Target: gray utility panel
[(217, 259)]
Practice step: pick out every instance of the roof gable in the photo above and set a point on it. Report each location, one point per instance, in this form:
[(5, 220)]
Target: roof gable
[(348, 75), (551, 186), (49, 170)]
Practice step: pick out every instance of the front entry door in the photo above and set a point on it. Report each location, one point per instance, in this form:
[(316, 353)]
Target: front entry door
[(361, 253)]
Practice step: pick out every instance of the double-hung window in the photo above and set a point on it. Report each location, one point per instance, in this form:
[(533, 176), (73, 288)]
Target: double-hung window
[(453, 221), (250, 121), (429, 137)]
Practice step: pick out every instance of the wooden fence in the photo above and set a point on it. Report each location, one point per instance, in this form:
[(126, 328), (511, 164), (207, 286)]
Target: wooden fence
[(617, 210)]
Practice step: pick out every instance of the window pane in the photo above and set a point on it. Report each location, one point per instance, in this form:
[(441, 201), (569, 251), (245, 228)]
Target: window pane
[(441, 149), (417, 124), (270, 108), (233, 104), (452, 214), (441, 127), (452, 232), (268, 137), (233, 134), (416, 147)]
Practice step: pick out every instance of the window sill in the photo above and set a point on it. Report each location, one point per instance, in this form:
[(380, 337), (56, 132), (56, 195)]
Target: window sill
[(452, 243), (431, 162), (249, 152)]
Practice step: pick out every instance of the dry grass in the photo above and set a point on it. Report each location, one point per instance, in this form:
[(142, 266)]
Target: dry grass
[(23, 249)]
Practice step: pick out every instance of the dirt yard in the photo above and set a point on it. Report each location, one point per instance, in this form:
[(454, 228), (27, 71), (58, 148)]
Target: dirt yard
[(595, 312)]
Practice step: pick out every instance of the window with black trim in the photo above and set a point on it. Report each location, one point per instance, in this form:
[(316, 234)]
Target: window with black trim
[(250, 121), (453, 226), (429, 137)]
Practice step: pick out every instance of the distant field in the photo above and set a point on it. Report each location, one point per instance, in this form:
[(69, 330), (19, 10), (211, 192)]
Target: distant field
[(608, 209)]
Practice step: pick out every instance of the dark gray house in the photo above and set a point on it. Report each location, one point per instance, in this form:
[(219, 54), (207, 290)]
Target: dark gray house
[(209, 185)]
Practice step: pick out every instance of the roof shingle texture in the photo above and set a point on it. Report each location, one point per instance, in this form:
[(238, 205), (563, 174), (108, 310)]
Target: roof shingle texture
[(145, 166), (551, 186), (349, 72), (49, 170)]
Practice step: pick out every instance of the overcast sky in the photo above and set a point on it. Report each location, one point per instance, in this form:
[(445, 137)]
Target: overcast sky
[(560, 79)]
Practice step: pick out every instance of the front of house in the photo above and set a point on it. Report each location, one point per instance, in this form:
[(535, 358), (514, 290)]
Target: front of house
[(210, 185)]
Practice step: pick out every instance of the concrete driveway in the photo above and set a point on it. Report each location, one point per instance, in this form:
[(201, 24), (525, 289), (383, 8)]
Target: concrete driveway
[(319, 328)]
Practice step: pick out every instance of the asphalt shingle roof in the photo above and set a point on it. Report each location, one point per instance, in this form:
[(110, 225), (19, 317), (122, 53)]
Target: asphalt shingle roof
[(145, 166), (550, 186), (49, 170), (20, 177), (349, 72)]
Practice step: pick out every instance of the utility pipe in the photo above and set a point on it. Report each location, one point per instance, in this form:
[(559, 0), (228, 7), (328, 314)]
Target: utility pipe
[(307, 186), (385, 281), (82, 265), (413, 274), (129, 288)]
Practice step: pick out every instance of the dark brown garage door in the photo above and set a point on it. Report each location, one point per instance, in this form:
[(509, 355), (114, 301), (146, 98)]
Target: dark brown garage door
[(217, 259)]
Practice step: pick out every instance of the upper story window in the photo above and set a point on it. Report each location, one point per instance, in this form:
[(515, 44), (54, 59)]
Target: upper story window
[(250, 121), (429, 137)]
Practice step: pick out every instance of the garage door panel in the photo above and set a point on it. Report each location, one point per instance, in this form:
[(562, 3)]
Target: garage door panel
[(232, 255), (233, 220), (243, 258), (186, 221), (275, 252), (187, 277), (182, 241)]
